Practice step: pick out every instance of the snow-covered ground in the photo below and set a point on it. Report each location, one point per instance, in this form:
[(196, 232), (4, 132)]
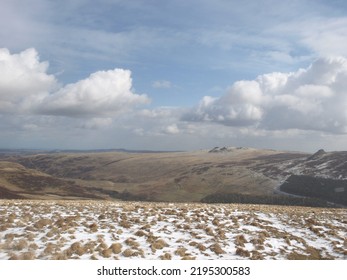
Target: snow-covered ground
[(131, 230)]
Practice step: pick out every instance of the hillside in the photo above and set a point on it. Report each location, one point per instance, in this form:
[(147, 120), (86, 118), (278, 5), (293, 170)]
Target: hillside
[(331, 165), (241, 174), (16, 181), (330, 189)]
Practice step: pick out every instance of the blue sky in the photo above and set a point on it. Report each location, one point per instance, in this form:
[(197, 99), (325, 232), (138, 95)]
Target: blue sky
[(173, 75)]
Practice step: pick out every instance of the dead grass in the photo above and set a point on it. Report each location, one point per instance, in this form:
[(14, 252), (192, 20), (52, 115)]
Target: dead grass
[(216, 248), (128, 253), (240, 240), (93, 227), (27, 256), (105, 230), (77, 248), (116, 248), (106, 253), (159, 244), (181, 251), (201, 247), (140, 233), (20, 245), (51, 249), (42, 223), (242, 252), (132, 243), (166, 256)]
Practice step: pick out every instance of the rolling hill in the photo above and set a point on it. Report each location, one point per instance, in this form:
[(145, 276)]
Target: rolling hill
[(242, 174)]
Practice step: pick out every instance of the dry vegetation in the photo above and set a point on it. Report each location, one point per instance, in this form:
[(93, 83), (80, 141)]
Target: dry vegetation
[(175, 177), (125, 230), (226, 175)]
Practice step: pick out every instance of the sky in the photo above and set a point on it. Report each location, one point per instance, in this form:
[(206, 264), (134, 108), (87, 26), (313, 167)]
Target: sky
[(173, 75)]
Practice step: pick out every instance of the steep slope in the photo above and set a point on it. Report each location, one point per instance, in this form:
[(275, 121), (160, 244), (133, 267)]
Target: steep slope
[(331, 165)]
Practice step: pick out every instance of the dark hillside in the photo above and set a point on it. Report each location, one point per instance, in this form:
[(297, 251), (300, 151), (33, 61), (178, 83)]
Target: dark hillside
[(328, 189), (264, 199)]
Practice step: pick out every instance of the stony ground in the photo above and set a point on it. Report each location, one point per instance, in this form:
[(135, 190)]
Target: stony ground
[(129, 230)]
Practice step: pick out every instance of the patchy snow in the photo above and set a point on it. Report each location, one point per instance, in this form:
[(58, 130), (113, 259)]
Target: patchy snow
[(129, 230)]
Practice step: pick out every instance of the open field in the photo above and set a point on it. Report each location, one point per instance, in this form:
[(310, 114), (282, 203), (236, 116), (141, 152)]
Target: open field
[(31, 229)]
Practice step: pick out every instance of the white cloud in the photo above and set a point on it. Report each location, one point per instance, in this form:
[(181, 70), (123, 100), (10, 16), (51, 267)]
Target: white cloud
[(161, 84), (103, 93), (302, 39), (172, 129), (27, 88), (240, 106), (325, 36), (308, 99), (24, 81)]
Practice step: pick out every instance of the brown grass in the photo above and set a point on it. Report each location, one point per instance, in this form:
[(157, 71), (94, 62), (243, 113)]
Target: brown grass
[(201, 247), (93, 227), (51, 249), (216, 248), (132, 243), (20, 245), (106, 253), (59, 231), (188, 258), (116, 248), (140, 233), (159, 244), (242, 252), (128, 253), (240, 240), (166, 256), (181, 251), (42, 223), (77, 248)]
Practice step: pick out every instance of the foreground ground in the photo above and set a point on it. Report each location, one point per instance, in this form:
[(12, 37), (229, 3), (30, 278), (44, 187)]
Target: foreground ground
[(129, 230)]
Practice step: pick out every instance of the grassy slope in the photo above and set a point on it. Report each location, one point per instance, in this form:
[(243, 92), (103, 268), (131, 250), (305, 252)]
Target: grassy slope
[(17, 181), (156, 176)]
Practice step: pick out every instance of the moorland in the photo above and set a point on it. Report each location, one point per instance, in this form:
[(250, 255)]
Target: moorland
[(223, 203)]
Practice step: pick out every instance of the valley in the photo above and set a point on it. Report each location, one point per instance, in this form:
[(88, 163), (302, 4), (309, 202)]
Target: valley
[(224, 203), (238, 173)]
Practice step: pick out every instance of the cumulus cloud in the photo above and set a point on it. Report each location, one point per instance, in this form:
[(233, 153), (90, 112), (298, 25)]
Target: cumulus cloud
[(102, 93), (24, 81), (314, 98), (27, 88)]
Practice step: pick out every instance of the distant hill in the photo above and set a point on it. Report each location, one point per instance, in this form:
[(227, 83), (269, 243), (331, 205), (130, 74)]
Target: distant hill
[(165, 176)]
